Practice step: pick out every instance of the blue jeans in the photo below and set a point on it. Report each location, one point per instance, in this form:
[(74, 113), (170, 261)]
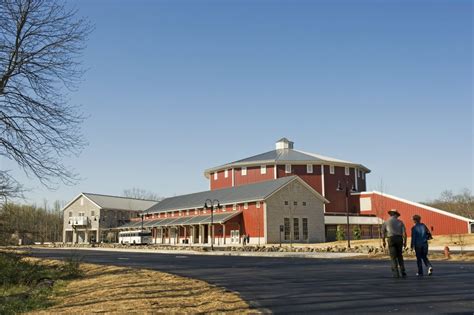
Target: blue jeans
[(421, 252)]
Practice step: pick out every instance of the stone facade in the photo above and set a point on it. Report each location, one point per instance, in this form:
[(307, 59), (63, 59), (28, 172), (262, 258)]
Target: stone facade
[(86, 222), (294, 202)]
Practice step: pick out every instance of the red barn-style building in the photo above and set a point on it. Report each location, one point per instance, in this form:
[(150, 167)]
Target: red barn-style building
[(331, 191)]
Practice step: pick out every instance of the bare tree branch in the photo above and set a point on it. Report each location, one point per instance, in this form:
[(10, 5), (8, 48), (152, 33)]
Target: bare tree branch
[(41, 43)]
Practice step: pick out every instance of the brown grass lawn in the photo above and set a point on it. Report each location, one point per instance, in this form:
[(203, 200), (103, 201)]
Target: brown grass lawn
[(438, 240), (118, 290)]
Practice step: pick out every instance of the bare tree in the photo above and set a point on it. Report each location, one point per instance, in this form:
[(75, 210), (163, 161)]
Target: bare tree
[(139, 193), (40, 45), (9, 187)]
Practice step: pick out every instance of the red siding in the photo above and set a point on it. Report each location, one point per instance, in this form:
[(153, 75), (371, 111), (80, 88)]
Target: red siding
[(221, 181), (253, 175), (253, 220), (337, 198), (439, 223)]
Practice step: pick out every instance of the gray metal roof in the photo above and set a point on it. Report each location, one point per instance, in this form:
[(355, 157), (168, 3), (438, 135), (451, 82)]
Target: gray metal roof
[(120, 203), (251, 192), (218, 218), (283, 156)]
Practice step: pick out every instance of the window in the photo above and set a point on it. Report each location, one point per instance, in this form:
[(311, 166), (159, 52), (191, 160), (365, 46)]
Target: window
[(244, 171), (346, 170), (304, 203), (81, 214), (187, 212), (288, 168), (363, 175), (331, 169), (92, 213), (70, 213), (258, 205), (287, 228), (286, 202), (295, 203), (234, 206), (263, 169), (309, 168), (296, 229), (215, 175), (358, 172), (305, 229), (226, 173), (82, 201), (246, 206), (223, 208)]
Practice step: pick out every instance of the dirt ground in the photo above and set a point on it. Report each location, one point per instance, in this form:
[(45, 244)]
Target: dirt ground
[(440, 240), (118, 290)]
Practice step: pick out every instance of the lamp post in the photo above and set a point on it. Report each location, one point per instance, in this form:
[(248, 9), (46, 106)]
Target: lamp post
[(348, 188), (212, 204)]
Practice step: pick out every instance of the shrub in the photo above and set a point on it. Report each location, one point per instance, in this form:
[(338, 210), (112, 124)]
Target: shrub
[(340, 235), (356, 232)]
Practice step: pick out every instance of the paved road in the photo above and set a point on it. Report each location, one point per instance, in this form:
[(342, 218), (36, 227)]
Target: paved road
[(291, 285)]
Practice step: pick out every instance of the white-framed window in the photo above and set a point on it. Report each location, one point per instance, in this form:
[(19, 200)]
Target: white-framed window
[(363, 175), (92, 213), (215, 175), (223, 208), (288, 168), (258, 205), (358, 172), (346, 170), (263, 169), (246, 205), (331, 169), (187, 212), (226, 173), (172, 214), (82, 201), (234, 206), (309, 168), (244, 171)]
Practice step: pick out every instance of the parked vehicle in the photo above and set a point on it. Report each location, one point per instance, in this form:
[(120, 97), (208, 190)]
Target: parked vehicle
[(135, 237)]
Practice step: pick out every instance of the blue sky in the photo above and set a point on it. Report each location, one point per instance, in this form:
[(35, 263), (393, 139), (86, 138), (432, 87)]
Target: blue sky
[(175, 87)]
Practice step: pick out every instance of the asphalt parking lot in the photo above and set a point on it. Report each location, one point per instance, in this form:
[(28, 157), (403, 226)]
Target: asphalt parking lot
[(294, 285)]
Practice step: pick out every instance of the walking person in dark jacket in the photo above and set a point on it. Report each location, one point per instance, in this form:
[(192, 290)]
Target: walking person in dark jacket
[(394, 230), (419, 242)]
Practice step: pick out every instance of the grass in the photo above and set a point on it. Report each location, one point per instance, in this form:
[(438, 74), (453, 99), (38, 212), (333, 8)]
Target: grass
[(27, 285), (438, 240), (90, 288), (119, 290)]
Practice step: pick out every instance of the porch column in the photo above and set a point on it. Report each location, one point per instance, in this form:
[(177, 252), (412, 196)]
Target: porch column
[(223, 233), (200, 233), (185, 232)]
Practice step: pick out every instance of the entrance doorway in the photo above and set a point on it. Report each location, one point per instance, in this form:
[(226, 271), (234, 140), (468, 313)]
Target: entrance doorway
[(234, 237)]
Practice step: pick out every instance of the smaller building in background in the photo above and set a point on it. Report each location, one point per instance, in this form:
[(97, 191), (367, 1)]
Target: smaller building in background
[(91, 218)]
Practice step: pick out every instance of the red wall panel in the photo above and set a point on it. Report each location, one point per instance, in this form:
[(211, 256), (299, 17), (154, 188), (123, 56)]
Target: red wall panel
[(439, 223), (253, 175)]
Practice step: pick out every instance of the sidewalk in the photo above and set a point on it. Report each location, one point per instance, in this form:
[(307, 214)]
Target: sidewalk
[(220, 253)]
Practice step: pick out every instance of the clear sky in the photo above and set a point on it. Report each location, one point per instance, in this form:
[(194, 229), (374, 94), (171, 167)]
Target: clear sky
[(175, 87)]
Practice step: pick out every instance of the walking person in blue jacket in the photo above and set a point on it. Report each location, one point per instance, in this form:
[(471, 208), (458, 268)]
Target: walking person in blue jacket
[(419, 242)]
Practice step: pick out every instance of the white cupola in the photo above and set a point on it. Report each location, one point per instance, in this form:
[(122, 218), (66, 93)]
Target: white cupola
[(283, 144)]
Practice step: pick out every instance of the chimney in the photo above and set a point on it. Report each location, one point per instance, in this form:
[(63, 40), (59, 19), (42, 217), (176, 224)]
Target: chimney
[(283, 144)]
